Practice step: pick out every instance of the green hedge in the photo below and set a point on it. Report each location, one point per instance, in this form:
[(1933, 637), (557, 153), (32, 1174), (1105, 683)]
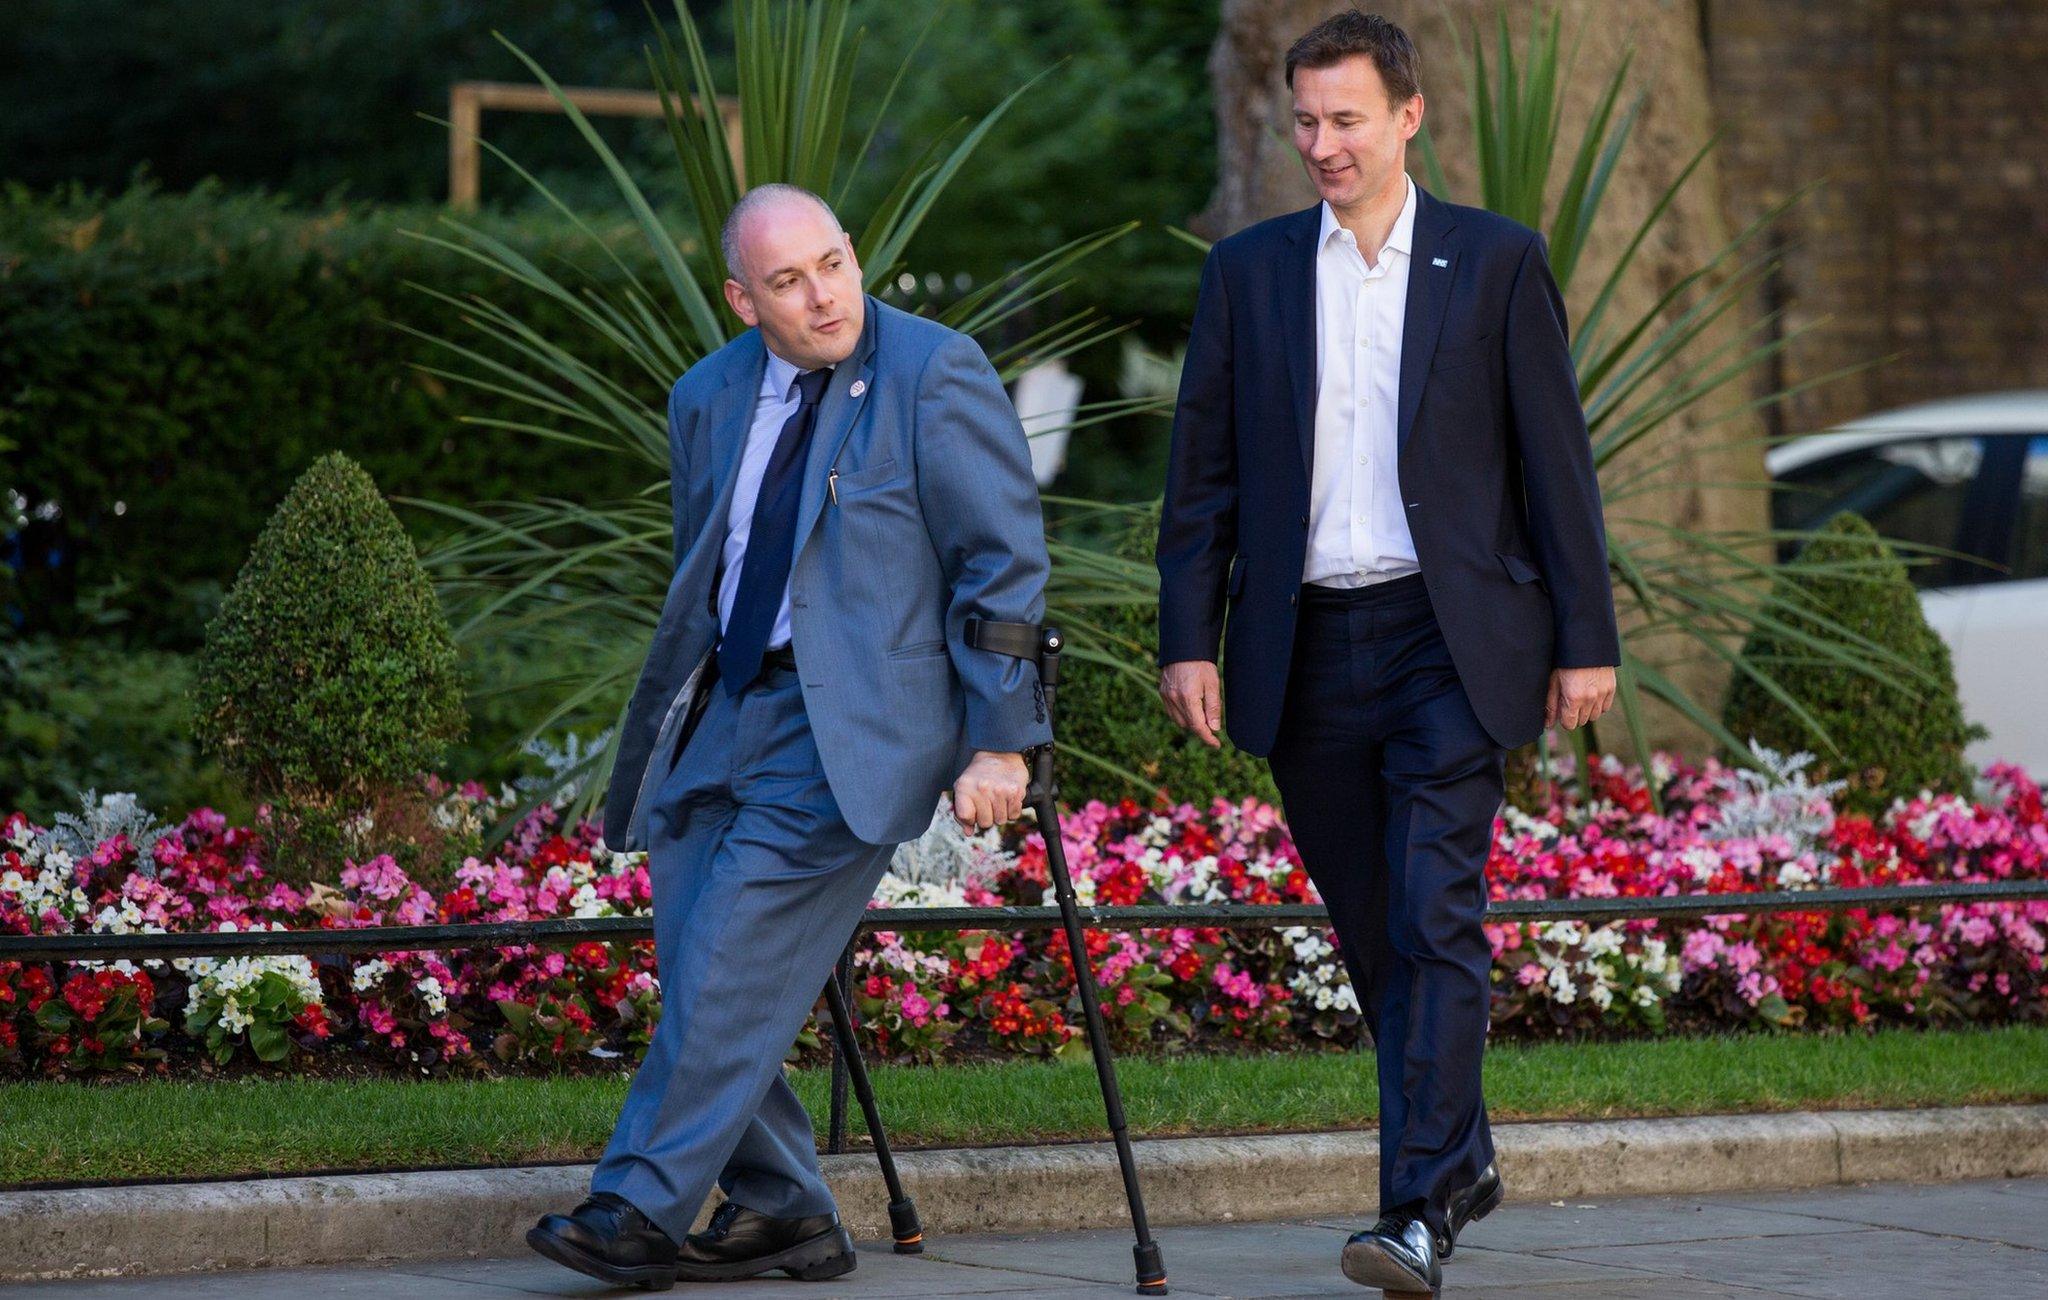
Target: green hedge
[(79, 715), (1116, 717), (173, 362)]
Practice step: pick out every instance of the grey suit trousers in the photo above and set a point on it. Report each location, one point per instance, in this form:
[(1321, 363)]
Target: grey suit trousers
[(758, 884)]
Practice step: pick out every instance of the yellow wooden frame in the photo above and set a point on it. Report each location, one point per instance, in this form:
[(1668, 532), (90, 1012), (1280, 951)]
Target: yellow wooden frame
[(467, 101)]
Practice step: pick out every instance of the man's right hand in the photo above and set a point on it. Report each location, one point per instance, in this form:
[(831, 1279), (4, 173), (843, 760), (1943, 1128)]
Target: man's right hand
[(1193, 696)]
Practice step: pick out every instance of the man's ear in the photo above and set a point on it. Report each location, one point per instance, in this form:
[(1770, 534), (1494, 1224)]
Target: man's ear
[(741, 302)]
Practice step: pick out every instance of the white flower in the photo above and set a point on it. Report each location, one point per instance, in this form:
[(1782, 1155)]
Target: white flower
[(1561, 987), (431, 996), (1515, 822), (369, 974)]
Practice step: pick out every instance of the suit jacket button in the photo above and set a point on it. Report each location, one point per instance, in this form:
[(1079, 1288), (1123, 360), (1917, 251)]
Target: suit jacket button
[(1293, 597)]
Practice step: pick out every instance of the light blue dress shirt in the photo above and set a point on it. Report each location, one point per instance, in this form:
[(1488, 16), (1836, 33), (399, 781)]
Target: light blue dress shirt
[(773, 406)]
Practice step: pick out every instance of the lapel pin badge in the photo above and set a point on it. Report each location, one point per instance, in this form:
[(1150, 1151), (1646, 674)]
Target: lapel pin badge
[(859, 386), (1438, 261)]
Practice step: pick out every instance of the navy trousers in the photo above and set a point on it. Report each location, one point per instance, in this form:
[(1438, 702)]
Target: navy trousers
[(1390, 787), (758, 885)]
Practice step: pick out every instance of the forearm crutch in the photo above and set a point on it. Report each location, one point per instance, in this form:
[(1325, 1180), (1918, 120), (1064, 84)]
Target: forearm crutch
[(903, 1223), (1043, 644)]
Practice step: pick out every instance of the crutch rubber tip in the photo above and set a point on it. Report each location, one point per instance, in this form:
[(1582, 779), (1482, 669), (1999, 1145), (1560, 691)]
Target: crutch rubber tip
[(1151, 1268), (904, 1227)]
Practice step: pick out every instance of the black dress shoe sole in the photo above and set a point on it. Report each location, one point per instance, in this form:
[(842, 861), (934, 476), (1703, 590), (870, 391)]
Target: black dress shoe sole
[(650, 1277), (1368, 1264), (829, 1254), (1479, 1211)]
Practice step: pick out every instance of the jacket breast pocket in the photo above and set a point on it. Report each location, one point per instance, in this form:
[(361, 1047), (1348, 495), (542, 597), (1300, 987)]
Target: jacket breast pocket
[(867, 476)]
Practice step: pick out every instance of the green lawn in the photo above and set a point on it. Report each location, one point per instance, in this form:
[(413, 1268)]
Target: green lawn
[(73, 1132)]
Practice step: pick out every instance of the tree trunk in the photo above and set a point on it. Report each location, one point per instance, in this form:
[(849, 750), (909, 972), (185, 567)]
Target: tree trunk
[(1260, 176)]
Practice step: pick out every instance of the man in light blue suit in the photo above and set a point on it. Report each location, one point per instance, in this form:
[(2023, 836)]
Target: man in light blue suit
[(851, 485)]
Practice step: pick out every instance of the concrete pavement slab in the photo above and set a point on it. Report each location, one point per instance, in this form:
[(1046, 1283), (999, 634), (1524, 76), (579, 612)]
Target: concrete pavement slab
[(1546, 1226), (1980, 1211), (1874, 1264), (1654, 1248)]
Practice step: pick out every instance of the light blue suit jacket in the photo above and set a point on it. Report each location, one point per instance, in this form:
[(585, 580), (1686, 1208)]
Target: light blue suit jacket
[(936, 521)]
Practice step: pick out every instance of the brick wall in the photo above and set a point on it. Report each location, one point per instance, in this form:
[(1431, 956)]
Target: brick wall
[(1928, 241)]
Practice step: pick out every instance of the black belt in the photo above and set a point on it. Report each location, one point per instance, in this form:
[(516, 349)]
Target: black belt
[(1409, 586), (780, 657)]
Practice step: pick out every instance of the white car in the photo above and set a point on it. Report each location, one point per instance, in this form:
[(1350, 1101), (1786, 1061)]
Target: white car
[(1969, 474)]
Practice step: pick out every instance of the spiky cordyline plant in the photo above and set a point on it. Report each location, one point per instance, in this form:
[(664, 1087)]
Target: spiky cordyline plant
[(582, 582)]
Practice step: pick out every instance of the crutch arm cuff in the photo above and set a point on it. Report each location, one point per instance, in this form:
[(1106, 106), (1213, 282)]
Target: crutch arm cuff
[(1004, 637)]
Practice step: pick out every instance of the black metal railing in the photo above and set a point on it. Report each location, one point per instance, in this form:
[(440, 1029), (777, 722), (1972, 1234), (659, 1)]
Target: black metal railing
[(562, 931)]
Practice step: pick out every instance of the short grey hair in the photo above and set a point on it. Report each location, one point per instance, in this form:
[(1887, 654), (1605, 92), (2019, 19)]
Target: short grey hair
[(759, 197)]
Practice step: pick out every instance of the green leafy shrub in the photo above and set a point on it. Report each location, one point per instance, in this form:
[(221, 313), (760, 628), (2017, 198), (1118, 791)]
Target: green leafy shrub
[(1115, 716), (329, 677), (1897, 734)]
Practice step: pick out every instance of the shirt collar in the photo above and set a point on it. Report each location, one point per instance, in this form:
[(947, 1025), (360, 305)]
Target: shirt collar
[(778, 381), (1401, 238)]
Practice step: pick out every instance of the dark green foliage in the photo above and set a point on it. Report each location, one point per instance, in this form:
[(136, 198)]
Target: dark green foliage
[(330, 669), (79, 715), (172, 361), (1896, 735), (306, 97), (1118, 718)]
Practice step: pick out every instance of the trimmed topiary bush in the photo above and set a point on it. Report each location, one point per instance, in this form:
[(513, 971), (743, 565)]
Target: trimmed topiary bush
[(329, 677), (1110, 714), (1897, 735)]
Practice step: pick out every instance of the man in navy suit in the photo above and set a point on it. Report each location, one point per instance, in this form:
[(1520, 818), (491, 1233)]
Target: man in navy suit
[(1380, 468)]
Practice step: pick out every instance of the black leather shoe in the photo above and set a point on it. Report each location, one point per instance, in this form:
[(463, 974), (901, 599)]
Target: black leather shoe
[(1398, 1255), (1471, 1205), (608, 1239), (739, 1242)]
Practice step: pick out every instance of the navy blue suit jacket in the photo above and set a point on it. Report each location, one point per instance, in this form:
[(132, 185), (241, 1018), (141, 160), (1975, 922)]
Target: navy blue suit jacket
[(1496, 469)]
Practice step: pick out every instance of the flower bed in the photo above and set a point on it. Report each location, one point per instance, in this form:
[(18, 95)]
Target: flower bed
[(927, 996)]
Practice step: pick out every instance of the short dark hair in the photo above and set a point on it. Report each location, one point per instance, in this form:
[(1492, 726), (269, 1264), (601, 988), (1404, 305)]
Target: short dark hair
[(1350, 33)]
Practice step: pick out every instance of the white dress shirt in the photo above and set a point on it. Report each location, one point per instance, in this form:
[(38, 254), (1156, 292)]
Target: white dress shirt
[(773, 406), (1358, 529)]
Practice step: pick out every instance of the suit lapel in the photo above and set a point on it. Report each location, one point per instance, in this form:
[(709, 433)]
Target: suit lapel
[(844, 397), (1429, 289), (731, 415), (1298, 333)]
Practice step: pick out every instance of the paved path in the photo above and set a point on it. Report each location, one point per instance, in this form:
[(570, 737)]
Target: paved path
[(1870, 1242)]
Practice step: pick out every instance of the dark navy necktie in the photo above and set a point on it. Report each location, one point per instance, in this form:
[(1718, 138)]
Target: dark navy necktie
[(764, 569)]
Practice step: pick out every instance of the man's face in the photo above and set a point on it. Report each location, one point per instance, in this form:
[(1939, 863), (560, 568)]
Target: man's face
[(801, 284), (1352, 139)]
